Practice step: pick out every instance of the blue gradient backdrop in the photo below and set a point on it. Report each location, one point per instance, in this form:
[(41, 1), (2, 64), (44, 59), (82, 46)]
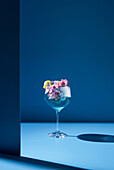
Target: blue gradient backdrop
[(68, 39)]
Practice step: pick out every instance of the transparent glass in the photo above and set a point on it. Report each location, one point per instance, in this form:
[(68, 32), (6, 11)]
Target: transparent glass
[(57, 106)]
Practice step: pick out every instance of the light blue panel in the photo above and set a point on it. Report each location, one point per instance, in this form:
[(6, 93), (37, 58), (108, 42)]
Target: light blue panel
[(36, 144)]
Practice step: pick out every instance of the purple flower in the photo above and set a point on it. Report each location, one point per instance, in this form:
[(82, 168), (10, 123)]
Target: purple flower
[(53, 91)]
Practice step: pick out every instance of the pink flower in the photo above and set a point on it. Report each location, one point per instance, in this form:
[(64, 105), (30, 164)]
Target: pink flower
[(56, 84), (53, 91), (64, 82)]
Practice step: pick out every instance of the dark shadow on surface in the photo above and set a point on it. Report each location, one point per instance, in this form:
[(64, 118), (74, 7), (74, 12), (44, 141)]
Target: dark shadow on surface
[(38, 162), (97, 138)]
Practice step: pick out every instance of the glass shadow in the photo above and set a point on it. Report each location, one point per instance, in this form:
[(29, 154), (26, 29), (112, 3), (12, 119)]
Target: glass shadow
[(96, 137)]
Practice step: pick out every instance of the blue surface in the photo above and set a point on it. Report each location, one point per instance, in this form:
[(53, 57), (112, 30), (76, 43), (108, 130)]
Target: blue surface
[(73, 40), (36, 144), (14, 165), (8, 164)]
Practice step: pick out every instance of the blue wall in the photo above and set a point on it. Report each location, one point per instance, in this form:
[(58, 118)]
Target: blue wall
[(68, 39), (9, 78)]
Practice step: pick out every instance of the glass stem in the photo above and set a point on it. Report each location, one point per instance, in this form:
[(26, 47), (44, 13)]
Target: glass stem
[(57, 121)]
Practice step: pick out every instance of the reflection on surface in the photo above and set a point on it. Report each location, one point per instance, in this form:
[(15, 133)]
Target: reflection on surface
[(96, 137)]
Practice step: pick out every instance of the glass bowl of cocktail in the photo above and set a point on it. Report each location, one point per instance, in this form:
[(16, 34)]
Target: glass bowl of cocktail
[(57, 95)]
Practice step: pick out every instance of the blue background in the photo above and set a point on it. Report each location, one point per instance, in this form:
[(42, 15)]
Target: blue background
[(68, 39), (9, 78)]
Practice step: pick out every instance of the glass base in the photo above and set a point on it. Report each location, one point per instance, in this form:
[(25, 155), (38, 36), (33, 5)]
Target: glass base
[(57, 134)]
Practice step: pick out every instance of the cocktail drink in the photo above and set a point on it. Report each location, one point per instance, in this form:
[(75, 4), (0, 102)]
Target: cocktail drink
[(57, 95)]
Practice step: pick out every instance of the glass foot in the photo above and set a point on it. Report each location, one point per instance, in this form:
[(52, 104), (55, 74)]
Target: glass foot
[(57, 134)]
